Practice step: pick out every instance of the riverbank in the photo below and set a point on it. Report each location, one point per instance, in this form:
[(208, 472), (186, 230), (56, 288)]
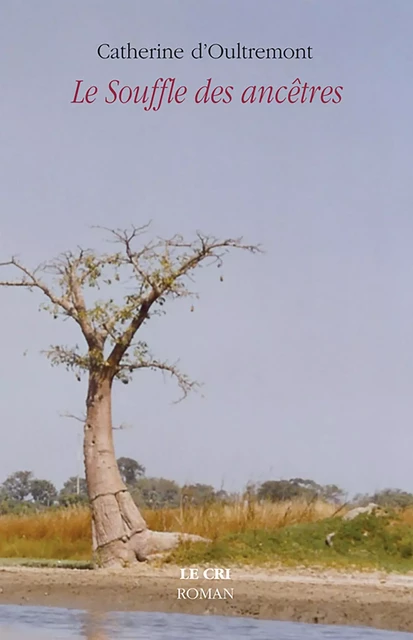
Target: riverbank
[(383, 601)]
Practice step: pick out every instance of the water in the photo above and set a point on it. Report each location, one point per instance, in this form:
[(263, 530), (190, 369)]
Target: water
[(41, 623)]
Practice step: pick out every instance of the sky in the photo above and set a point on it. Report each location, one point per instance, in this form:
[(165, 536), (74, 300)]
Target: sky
[(306, 351)]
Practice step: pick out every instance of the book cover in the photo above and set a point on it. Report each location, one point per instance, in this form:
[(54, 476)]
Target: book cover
[(205, 265)]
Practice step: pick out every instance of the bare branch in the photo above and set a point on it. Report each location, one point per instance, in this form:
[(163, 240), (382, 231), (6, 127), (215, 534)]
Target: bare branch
[(66, 414), (184, 382), (172, 263), (73, 360), (78, 299), (124, 342), (122, 427), (74, 308), (30, 280)]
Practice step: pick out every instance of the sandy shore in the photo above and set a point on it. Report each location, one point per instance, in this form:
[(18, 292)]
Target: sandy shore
[(325, 597)]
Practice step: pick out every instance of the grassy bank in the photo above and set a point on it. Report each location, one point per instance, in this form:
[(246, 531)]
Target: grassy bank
[(259, 534), (365, 543)]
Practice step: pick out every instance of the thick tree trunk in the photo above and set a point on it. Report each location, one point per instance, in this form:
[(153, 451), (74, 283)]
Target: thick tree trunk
[(119, 532), (117, 525)]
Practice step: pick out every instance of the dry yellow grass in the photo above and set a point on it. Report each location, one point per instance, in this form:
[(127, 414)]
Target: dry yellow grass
[(65, 534), (213, 521), (406, 516)]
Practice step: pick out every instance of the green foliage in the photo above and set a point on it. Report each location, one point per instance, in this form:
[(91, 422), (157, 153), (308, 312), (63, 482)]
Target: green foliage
[(16, 507), (298, 488), (21, 493), (198, 494), (156, 493), (130, 470), (43, 492), (69, 496), (18, 485), (159, 493)]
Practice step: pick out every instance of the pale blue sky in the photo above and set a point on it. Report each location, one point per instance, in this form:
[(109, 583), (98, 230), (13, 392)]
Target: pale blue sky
[(306, 353)]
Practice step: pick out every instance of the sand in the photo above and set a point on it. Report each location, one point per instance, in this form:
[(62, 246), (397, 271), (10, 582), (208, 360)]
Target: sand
[(325, 597)]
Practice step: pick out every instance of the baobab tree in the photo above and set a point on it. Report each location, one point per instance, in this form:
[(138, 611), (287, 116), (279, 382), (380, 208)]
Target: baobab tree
[(136, 279)]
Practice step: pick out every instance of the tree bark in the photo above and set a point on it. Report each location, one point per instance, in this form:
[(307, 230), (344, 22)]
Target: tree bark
[(120, 534)]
